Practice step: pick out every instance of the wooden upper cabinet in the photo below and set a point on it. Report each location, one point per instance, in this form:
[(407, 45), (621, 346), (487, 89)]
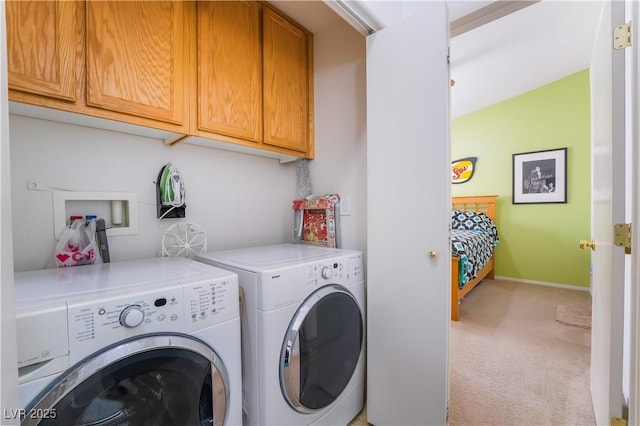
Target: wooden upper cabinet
[(287, 83), (137, 56), (234, 72), (229, 81), (41, 47)]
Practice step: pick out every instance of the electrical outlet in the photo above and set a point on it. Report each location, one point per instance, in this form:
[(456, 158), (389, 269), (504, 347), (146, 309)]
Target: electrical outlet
[(37, 186), (345, 206)]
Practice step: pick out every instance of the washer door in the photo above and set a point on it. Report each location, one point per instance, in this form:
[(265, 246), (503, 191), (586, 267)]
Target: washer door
[(321, 349), (150, 380)]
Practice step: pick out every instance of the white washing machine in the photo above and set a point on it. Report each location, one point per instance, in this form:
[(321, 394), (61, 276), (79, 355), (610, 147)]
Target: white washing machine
[(142, 342), (303, 330)]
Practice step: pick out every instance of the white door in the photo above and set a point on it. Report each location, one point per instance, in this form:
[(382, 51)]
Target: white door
[(408, 203), (8, 356), (608, 207)]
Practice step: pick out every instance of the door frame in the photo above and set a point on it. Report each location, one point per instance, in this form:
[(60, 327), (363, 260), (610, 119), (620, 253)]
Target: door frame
[(8, 341), (633, 90)]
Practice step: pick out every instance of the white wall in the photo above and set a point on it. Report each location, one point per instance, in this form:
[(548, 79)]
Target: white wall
[(239, 200), (340, 110)]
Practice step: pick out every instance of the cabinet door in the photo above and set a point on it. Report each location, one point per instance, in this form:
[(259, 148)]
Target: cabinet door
[(287, 88), (229, 95), (41, 47), (137, 53)]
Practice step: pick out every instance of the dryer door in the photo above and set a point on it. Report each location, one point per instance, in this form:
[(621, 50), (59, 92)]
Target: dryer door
[(321, 349), (160, 379)]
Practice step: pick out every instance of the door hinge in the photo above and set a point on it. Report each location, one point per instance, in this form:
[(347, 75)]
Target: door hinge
[(617, 421), (622, 236), (622, 36)]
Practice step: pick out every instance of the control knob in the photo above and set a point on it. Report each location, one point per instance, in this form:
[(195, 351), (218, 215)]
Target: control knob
[(131, 316), (326, 272)]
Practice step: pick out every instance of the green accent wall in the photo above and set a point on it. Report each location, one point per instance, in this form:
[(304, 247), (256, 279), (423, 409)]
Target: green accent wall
[(538, 242)]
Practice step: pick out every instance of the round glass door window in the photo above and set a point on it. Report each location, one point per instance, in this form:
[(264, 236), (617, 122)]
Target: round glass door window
[(321, 349), (182, 383)]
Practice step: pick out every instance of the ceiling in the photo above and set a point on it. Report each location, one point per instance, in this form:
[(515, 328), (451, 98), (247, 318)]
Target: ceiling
[(508, 56), (519, 52)]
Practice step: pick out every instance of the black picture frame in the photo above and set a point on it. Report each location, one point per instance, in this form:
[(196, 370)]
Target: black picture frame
[(540, 177)]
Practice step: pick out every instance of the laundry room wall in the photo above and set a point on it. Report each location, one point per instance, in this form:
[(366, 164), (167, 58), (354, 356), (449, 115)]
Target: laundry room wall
[(238, 199), (340, 110)]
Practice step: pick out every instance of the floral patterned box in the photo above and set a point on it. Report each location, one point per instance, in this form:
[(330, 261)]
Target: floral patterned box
[(317, 220)]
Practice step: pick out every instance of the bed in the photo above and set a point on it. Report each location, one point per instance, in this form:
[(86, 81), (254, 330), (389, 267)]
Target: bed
[(466, 271)]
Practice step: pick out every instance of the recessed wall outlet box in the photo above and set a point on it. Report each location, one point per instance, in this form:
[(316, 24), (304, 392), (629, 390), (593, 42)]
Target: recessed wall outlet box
[(345, 206), (118, 209)]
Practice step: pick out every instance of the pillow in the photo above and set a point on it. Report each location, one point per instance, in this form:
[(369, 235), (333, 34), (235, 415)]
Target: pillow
[(473, 221), (470, 221), (454, 217)]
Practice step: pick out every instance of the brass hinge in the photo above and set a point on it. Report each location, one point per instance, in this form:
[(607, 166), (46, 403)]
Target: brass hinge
[(622, 36), (622, 236), (617, 421)]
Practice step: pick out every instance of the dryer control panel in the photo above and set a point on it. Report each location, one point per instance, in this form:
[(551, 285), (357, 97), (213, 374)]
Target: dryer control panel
[(344, 270), (284, 286)]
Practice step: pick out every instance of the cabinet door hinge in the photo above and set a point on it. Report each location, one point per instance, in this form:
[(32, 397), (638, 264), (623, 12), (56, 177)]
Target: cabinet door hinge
[(622, 36), (616, 421), (622, 236)]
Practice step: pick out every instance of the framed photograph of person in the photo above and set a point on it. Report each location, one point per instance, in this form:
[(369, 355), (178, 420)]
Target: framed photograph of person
[(540, 177)]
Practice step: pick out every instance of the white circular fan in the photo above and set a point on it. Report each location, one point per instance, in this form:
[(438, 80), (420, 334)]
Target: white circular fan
[(184, 239)]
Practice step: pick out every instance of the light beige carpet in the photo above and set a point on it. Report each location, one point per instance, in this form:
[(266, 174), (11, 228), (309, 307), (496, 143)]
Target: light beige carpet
[(575, 314), (511, 363)]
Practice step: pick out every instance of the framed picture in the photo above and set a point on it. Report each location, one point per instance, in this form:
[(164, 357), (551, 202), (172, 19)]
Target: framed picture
[(540, 177)]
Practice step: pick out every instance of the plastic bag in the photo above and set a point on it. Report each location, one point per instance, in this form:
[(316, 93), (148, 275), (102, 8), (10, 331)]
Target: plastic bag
[(77, 245)]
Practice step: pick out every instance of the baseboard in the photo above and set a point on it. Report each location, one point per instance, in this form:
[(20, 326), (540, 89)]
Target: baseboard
[(565, 286)]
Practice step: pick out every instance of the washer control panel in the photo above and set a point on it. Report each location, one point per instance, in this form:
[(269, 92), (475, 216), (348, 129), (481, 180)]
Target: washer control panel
[(211, 302), (184, 308), (111, 319)]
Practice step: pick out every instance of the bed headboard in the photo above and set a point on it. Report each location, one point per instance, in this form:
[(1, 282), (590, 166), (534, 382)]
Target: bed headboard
[(476, 203)]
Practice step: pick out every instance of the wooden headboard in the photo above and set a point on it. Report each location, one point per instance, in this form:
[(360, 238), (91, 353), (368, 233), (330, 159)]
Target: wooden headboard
[(477, 203)]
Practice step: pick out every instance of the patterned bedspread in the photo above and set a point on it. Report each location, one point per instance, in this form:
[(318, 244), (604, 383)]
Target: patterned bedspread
[(473, 239)]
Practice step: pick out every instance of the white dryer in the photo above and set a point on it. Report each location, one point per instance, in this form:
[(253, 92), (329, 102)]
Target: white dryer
[(303, 332), (142, 342)]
